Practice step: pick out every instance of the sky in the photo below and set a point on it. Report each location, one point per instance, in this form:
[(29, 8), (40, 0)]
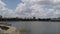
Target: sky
[(30, 8)]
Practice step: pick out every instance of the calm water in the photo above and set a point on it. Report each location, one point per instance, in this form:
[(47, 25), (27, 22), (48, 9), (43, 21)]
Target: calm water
[(37, 27)]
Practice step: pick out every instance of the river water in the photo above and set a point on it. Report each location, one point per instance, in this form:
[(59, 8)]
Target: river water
[(37, 27)]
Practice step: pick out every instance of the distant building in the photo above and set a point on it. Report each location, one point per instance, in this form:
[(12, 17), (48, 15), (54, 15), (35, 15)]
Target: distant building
[(58, 18), (34, 18), (55, 19)]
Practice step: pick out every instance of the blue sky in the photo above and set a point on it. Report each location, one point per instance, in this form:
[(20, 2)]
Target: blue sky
[(30, 8), (11, 4)]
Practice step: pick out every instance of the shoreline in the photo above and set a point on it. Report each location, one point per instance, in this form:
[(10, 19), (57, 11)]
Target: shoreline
[(20, 19), (41, 21)]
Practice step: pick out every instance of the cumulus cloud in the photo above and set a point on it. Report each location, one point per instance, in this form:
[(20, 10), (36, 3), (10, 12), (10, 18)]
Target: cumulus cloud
[(31, 8), (2, 4), (5, 12), (39, 8)]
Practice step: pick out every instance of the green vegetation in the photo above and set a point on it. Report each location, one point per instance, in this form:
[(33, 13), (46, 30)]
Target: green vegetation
[(24, 30)]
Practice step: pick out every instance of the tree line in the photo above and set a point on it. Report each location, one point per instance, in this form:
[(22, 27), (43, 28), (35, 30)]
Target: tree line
[(26, 19)]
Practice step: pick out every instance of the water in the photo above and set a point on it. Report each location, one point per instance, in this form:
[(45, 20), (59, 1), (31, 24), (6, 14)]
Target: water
[(37, 27)]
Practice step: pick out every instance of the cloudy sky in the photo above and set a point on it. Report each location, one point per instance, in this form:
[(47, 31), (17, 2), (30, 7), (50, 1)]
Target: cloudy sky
[(30, 8)]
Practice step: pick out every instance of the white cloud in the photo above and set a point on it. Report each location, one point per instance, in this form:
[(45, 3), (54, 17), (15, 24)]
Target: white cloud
[(2, 4), (30, 8), (5, 12), (21, 7), (34, 8), (40, 8)]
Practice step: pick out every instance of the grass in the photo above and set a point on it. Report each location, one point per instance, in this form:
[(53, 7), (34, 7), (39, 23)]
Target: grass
[(24, 30)]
